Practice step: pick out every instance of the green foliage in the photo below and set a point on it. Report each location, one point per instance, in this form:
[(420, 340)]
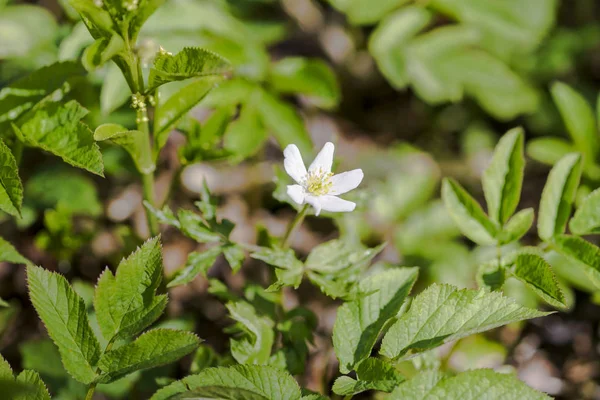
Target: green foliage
[(517, 226), (503, 178), (134, 142), (467, 213), (372, 374), (57, 128), (582, 253), (251, 382), (360, 322), (11, 188), (126, 302), (191, 62), (537, 274), (558, 196), (153, 348), (10, 254), (64, 315), (197, 263), (443, 313), (586, 219), (101, 51), (254, 347), (469, 385)]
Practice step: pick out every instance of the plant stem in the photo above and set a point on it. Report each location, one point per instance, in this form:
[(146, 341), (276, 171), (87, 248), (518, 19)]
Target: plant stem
[(147, 177), (92, 388), (296, 222)]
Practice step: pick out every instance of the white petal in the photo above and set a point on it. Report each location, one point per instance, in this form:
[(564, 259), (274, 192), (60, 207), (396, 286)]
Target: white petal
[(335, 204), (293, 163), (324, 159), (314, 201), (346, 181), (296, 192)]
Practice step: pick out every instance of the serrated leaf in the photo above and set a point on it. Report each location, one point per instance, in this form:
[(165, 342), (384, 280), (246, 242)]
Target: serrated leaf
[(191, 62), (126, 302), (65, 317), (310, 77), (586, 219), (281, 258), (177, 105), (38, 390), (578, 117), (164, 215), (134, 142), (503, 178), (467, 213), (491, 275), (582, 252), (10, 254), (372, 374), (11, 188), (255, 346), (558, 196), (197, 263), (360, 322), (248, 382), (470, 385), (5, 369), (57, 128), (97, 19), (443, 313), (283, 122), (336, 255), (516, 227), (536, 273), (23, 94), (101, 51), (152, 349)]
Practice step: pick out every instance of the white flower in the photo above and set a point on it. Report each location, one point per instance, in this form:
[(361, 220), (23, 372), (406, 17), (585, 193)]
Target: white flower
[(318, 186)]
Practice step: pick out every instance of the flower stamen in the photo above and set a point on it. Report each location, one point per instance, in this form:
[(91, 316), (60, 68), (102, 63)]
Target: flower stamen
[(318, 182)]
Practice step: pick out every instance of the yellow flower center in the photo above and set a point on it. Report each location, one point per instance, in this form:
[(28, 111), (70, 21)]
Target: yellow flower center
[(318, 182)]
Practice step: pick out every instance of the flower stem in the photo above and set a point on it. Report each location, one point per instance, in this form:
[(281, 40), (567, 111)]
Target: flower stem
[(147, 177), (296, 222), (92, 388)]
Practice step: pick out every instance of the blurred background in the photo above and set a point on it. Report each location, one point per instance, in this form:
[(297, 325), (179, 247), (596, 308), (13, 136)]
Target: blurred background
[(409, 92)]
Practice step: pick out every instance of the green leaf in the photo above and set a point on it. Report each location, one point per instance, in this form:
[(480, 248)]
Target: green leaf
[(152, 349), (372, 374), (360, 322), (443, 313), (197, 262), (548, 150), (360, 12), (503, 178), (582, 252), (65, 317), (246, 135), (164, 215), (134, 142), (234, 255), (536, 273), (10, 254), (283, 122), (587, 218), (101, 51), (126, 302), (336, 255), (23, 94), (11, 188), (191, 62), (578, 117), (558, 196), (57, 128), (98, 20), (248, 382), (38, 390), (178, 105), (5, 369), (470, 385), (516, 227), (255, 346), (114, 92), (467, 213), (195, 227), (310, 77), (289, 270)]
